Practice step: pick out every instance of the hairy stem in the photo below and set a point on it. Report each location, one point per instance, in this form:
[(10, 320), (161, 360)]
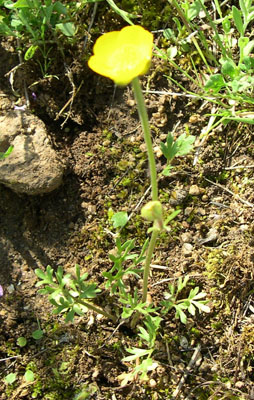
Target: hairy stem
[(147, 135), (153, 176)]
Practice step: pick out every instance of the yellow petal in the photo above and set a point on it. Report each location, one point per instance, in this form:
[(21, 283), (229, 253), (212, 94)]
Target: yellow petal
[(123, 55)]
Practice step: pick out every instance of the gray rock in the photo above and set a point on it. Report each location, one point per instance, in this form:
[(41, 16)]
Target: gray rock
[(32, 167), (187, 249)]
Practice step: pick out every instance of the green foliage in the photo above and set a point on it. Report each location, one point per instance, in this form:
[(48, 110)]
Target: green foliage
[(133, 304), (7, 153), (123, 254), (192, 303), (10, 378), (29, 376), (35, 24), (180, 147), (119, 219), (66, 293), (37, 335), (146, 363), (21, 341)]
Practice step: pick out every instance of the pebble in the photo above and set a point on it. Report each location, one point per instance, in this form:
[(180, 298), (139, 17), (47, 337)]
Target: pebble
[(188, 211), (158, 151), (10, 288), (143, 147), (186, 237), (239, 384), (194, 190), (152, 383), (187, 249)]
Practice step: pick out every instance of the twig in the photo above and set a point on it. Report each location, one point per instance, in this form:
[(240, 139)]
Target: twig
[(247, 203), (91, 24), (191, 364), (9, 358)]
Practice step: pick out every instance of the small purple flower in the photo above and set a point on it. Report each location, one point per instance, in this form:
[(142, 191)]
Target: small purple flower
[(34, 96), (1, 291)]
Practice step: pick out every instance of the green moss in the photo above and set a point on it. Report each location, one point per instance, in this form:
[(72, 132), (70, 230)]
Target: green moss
[(213, 264)]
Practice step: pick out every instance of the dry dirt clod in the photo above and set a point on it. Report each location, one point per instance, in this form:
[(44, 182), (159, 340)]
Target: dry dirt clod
[(32, 167)]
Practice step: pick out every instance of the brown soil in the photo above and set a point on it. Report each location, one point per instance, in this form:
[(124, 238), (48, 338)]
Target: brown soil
[(101, 143)]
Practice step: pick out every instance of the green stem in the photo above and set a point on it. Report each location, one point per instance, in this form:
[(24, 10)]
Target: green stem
[(147, 134), (153, 176), (94, 308), (149, 255)]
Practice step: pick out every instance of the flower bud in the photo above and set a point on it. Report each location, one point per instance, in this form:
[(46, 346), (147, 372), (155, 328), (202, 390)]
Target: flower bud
[(152, 211)]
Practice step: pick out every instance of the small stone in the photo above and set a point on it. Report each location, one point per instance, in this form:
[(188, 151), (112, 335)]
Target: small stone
[(10, 288), (152, 383), (186, 237), (244, 227), (187, 249), (239, 384), (158, 151), (194, 190), (211, 236), (143, 147), (188, 211)]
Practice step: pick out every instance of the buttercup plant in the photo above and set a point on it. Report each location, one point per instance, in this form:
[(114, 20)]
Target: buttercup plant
[(123, 56)]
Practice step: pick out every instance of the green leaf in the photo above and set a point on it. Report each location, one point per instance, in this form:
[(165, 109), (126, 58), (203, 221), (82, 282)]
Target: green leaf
[(229, 68), (169, 34), (70, 315), (248, 62), (60, 8), (89, 291), (67, 28), (120, 219), (127, 312), (184, 144), (10, 378), (29, 376), (226, 25), (21, 4), (7, 153), (191, 309), (30, 52), (238, 20), (167, 170), (136, 354), (194, 10), (182, 316), (37, 334), (248, 47), (215, 83), (21, 341), (126, 16)]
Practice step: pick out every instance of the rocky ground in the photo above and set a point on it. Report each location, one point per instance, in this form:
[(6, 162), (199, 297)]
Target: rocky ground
[(94, 147)]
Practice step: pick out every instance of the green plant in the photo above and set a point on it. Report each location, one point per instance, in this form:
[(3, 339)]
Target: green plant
[(230, 86), (142, 357), (179, 147), (69, 294), (5, 154), (123, 56), (192, 303), (35, 25)]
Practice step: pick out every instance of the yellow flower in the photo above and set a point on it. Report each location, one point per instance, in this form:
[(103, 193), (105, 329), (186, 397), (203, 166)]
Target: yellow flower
[(123, 55)]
